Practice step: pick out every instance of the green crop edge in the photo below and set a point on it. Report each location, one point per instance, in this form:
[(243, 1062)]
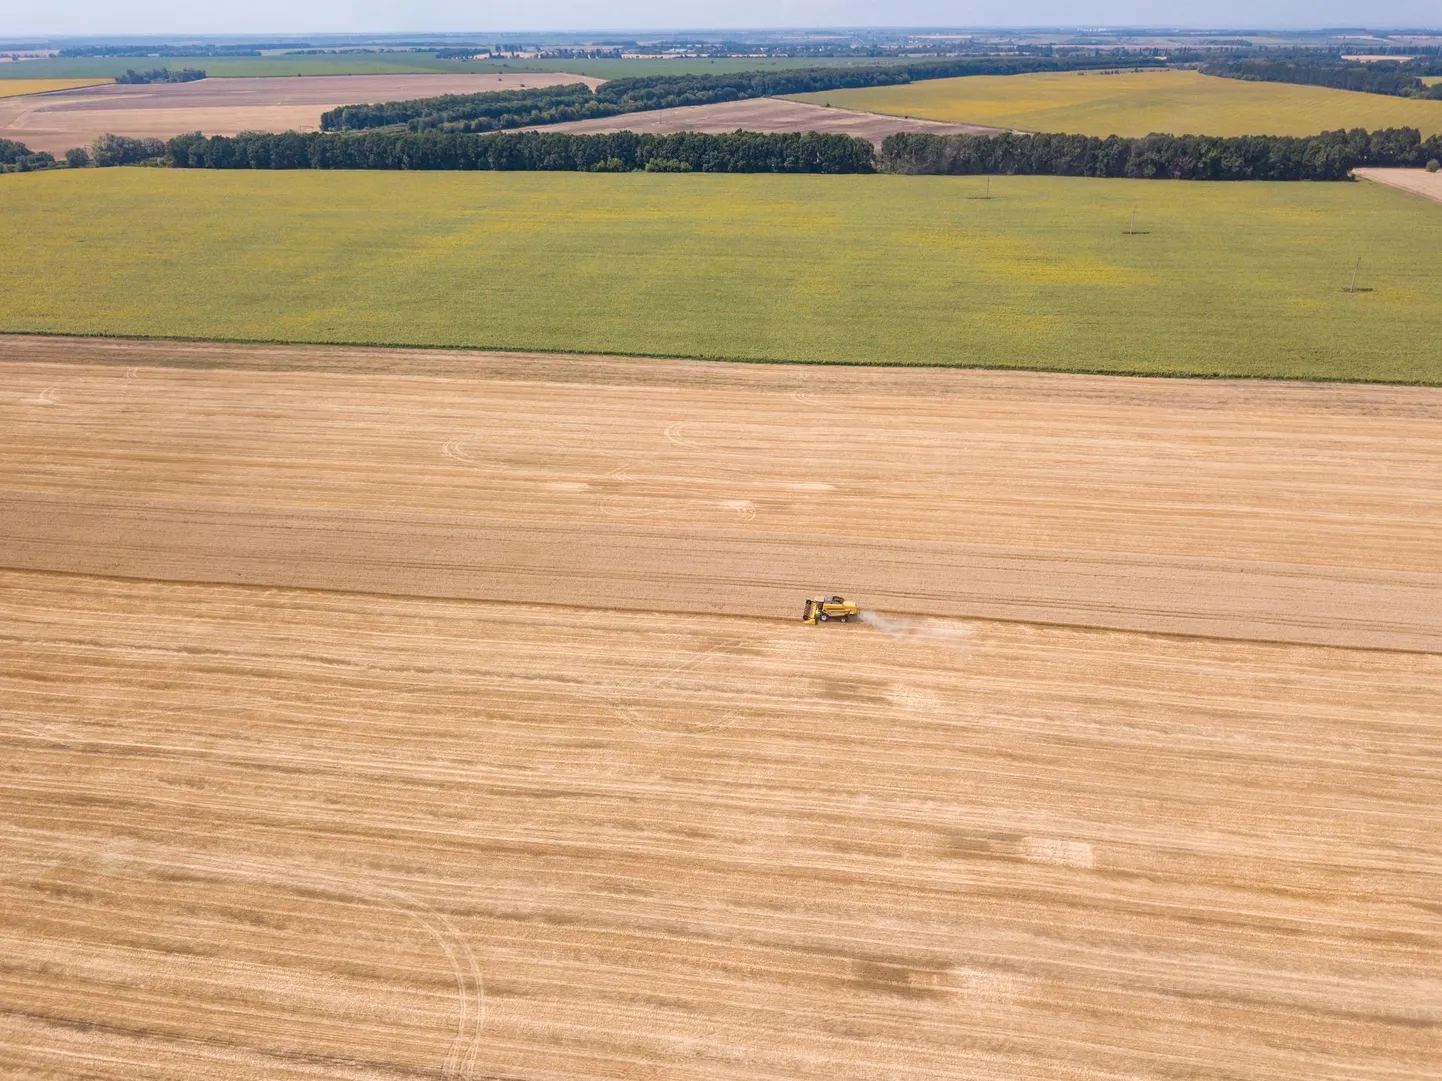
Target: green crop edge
[(1131, 373)]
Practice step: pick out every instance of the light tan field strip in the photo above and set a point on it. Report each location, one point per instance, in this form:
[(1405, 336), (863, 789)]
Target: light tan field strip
[(251, 832), (1260, 511), (1416, 181), (768, 114)]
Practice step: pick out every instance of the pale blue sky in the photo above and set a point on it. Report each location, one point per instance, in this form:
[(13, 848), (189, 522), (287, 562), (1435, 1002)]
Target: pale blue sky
[(19, 18)]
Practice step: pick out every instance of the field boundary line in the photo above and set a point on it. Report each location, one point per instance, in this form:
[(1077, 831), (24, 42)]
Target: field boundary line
[(709, 358), (1098, 628)]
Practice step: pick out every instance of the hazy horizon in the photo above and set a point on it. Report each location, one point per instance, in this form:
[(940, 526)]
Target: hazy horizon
[(32, 18)]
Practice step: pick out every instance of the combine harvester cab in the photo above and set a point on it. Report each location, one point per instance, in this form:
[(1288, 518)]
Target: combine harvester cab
[(826, 609)]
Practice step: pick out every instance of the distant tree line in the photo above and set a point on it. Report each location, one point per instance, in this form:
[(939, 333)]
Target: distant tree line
[(737, 152), (492, 110), (1328, 156), (160, 75), (1399, 79), (489, 111), (245, 49)]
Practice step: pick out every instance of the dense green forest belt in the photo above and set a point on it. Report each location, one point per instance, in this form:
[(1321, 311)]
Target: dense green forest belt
[(737, 152), (495, 110), (1398, 80), (1328, 156)]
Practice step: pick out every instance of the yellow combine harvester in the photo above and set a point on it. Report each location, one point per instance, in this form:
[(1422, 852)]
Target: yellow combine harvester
[(825, 609)]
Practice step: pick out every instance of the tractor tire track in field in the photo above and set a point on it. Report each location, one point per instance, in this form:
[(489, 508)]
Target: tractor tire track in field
[(460, 1058)]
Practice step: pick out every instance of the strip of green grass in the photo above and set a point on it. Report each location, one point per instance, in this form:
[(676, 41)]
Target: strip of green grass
[(1221, 279)]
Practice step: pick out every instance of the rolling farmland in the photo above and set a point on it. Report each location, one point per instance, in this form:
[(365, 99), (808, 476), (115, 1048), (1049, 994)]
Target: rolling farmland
[(223, 106), (386, 713), (1230, 279), (1138, 103)]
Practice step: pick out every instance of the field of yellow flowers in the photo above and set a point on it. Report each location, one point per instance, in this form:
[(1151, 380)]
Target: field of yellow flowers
[(1215, 279), (14, 88), (1139, 102)]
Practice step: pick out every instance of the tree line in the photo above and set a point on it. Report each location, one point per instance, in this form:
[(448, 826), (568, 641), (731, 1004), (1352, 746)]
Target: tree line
[(1399, 79), (1328, 156), (737, 152), (496, 109), (18, 158), (160, 75)]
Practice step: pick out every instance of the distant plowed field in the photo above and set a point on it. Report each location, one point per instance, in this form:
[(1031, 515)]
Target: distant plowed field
[(1137, 103), (465, 728), (57, 122), (767, 114)]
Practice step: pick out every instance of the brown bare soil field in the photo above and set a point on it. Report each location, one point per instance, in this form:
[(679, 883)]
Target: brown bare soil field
[(1416, 181), (405, 714), (769, 114), (56, 122)]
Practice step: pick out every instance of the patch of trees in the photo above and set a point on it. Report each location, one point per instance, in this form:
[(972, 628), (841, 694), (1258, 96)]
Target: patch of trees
[(160, 75), (489, 111), (737, 152), (1328, 156), (111, 150), (498, 109), (19, 158), (1378, 77)]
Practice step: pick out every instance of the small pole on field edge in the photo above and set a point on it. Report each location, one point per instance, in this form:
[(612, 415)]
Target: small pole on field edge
[(1355, 267), (988, 187), (1132, 229)]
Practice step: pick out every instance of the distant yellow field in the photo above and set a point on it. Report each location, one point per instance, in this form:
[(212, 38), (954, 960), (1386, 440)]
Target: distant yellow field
[(14, 88), (1180, 102)]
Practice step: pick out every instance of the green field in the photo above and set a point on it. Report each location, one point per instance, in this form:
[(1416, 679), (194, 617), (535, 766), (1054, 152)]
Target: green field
[(1224, 278), (388, 64), (1137, 103)]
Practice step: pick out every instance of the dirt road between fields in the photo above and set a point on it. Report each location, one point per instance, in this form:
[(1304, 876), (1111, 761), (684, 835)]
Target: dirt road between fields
[(1416, 181), (264, 833), (1266, 511), (769, 115), (58, 121)]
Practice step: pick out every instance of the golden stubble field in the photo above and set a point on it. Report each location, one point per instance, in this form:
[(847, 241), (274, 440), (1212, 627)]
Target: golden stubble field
[(385, 714)]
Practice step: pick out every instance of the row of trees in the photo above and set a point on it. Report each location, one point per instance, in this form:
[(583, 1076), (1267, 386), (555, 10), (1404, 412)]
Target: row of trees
[(737, 152), (19, 158), (105, 151), (1328, 156), (549, 105), (160, 75), (1385, 77), (488, 111)]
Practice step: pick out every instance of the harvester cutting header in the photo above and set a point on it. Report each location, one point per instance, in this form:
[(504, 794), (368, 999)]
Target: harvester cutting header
[(825, 609)]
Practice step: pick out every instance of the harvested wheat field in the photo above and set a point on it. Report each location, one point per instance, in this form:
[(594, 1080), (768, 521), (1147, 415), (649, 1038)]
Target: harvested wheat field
[(1416, 181), (767, 114), (57, 122), (396, 713)]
